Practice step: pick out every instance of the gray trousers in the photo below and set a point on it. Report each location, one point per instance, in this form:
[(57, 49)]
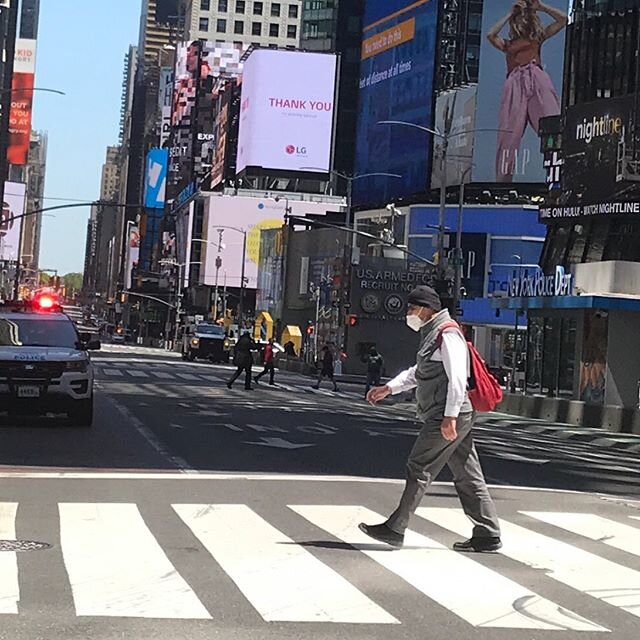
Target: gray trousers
[(430, 453)]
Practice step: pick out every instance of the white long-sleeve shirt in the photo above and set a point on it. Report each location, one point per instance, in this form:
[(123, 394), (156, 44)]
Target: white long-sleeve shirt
[(454, 355)]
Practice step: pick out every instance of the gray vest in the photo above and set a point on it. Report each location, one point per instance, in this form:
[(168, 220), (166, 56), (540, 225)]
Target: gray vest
[(431, 377)]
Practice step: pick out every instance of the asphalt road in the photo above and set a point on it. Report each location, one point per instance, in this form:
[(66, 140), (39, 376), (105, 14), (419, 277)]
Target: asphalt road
[(192, 511)]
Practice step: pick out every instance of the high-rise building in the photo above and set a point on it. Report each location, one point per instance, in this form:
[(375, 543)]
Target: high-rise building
[(110, 184), (335, 27), (158, 23), (34, 175), (265, 24), (29, 18)]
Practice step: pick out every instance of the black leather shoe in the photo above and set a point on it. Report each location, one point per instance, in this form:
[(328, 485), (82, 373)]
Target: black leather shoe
[(478, 545), (382, 533)]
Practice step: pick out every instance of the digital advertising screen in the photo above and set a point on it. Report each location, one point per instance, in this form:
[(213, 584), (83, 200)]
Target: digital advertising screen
[(396, 83)]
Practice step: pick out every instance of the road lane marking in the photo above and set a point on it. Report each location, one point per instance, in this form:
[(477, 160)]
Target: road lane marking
[(179, 463), (163, 375), (283, 581), (586, 572), (612, 533), (136, 373), (188, 376), (9, 585), (117, 568), (112, 372), (477, 594)]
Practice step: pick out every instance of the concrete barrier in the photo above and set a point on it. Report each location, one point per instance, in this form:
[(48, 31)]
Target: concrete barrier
[(574, 412)]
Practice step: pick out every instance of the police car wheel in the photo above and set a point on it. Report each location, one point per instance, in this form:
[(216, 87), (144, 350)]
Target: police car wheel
[(81, 413), (191, 356)]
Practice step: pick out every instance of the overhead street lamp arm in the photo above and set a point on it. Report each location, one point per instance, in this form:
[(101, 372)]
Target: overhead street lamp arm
[(146, 297), (30, 90), (76, 205), (414, 126), (362, 234)]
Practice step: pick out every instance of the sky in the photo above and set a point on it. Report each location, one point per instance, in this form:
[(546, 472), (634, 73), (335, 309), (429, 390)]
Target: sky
[(81, 50)]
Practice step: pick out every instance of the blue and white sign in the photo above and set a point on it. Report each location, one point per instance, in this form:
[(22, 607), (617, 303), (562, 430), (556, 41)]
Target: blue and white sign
[(156, 178), (541, 285)]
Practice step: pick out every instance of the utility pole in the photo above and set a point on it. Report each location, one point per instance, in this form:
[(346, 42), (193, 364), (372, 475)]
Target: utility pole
[(8, 27)]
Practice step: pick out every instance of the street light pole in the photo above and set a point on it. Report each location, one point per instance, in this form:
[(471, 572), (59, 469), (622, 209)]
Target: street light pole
[(458, 259)]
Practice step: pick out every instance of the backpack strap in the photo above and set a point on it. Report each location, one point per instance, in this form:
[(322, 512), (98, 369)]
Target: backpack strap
[(452, 324)]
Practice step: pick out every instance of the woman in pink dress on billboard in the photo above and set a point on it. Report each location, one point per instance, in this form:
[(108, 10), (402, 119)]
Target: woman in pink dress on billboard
[(528, 93)]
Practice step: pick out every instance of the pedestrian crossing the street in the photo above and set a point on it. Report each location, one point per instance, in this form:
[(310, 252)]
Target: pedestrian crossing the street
[(183, 373), (310, 563)]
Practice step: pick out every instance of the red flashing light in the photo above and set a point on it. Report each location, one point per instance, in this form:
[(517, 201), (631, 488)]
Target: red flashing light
[(45, 302)]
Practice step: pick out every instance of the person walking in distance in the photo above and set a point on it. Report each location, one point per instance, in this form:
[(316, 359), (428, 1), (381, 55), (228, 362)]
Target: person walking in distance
[(325, 368), (445, 412), (268, 359), (375, 364), (243, 360)]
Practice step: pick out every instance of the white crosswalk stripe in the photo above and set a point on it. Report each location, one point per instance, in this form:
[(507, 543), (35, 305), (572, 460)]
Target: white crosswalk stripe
[(117, 567), (484, 598), (607, 581), (621, 536), (283, 581), (9, 589)]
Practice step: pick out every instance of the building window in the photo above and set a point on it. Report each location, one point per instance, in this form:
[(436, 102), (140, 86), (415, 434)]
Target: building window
[(240, 6), (274, 30), (222, 6), (258, 8), (293, 11), (275, 9), (203, 24), (292, 31), (238, 27), (205, 5), (221, 25), (256, 28)]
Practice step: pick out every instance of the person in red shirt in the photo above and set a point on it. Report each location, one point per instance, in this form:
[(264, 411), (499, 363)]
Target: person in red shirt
[(268, 358)]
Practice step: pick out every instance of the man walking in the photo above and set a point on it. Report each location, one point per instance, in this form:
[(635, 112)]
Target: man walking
[(375, 363), (243, 360), (268, 359), (325, 368), (445, 412)]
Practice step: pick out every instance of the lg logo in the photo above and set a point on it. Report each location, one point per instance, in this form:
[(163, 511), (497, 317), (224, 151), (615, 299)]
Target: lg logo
[(292, 149)]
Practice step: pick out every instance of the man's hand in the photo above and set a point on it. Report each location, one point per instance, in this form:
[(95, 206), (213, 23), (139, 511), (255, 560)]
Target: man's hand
[(377, 394), (448, 429)]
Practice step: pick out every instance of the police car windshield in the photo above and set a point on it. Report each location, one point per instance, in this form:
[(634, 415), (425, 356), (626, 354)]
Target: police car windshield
[(210, 329), (37, 332)]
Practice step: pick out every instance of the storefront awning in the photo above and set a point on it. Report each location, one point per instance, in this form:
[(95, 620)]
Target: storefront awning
[(610, 303)]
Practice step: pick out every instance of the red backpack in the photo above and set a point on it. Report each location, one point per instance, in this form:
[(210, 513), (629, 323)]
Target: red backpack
[(485, 393)]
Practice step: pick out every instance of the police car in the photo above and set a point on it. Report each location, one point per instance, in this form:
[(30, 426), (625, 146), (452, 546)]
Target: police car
[(44, 362)]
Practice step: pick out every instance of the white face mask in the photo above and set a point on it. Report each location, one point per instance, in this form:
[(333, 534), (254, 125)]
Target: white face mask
[(415, 322)]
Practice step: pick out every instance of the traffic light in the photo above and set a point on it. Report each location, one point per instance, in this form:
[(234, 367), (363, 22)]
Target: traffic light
[(310, 328), (352, 320)]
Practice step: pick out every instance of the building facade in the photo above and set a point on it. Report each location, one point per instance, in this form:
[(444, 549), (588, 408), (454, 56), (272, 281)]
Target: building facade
[(34, 173), (583, 303), (335, 27), (264, 23), (110, 182)]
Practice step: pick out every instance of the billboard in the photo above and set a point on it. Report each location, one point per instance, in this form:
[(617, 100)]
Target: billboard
[(10, 228), (520, 81), (458, 105), (156, 178), (252, 215), (21, 101), (165, 96), (286, 120), (396, 83), (133, 253), (593, 136), (199, 65)]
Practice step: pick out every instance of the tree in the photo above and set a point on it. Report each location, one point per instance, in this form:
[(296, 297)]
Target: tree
[(72, 282)]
